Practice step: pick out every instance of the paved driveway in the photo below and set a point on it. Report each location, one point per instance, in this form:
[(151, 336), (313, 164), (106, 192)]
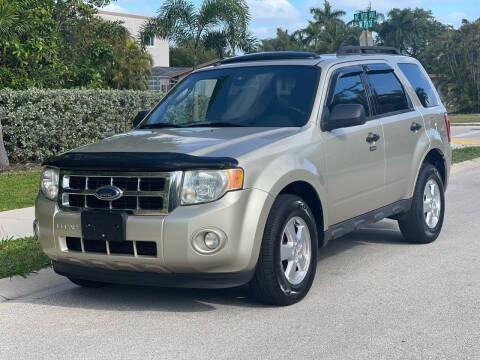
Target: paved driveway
[(374, 297)]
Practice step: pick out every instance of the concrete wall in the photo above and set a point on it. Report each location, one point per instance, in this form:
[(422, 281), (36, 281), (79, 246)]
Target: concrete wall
[(133, 23)]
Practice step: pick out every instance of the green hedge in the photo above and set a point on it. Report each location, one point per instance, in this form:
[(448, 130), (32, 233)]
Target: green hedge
[(40, 123)]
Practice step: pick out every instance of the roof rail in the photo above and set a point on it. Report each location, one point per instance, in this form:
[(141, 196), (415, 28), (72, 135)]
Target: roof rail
[(274, 55), (348, 50)]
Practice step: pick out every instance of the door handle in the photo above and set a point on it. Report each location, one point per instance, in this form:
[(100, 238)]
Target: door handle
[(415, 127), (371, 138)]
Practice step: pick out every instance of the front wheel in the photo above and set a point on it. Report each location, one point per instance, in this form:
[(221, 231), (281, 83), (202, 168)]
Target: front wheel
[(423, 223), (288, 256)]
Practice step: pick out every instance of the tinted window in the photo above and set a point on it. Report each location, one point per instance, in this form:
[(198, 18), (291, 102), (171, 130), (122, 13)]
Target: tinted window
[(274, 96), (420, 83), (349, 90), (388, 92)]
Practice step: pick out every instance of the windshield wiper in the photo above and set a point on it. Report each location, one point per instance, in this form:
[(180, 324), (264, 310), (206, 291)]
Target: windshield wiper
[(160, 126), (214, 124)]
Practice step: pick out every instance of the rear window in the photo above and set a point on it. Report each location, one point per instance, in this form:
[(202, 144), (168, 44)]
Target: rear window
[(420, 83), (388, 93)]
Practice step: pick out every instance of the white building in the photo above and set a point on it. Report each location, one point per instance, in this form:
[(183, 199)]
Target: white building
[(158, 48)]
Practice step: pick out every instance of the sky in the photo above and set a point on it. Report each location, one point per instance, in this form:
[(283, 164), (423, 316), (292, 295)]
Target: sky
[(268, 15)]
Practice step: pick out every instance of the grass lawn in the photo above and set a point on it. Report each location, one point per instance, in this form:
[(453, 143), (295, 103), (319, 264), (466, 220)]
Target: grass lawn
[(464, 118), (464, 154), (21, 257), (18, 189)]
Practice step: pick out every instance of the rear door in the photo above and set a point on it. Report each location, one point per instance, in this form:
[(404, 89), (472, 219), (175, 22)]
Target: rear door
[(402, 127), (355, 167)]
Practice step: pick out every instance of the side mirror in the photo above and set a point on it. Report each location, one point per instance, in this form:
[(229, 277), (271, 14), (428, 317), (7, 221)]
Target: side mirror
[(345, 115), (140, 116)]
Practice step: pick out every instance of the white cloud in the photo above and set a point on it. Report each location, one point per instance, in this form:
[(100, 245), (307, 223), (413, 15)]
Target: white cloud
[(115, 8), (272, 10), (454, 18), (379, 5), (268, 15)]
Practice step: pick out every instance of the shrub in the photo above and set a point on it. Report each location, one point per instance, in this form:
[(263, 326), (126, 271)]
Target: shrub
[(40, 123)]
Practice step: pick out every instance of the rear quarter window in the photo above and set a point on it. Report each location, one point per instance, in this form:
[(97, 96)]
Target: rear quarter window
[(420, 84)]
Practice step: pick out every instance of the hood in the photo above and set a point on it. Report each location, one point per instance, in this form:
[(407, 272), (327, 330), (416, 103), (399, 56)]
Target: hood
[(218, 142)]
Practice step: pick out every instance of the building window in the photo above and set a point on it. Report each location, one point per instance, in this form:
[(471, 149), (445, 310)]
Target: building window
[(150, 41)]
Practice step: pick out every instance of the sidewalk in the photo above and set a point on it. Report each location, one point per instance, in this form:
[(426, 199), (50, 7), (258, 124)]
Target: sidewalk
[(17, 223)]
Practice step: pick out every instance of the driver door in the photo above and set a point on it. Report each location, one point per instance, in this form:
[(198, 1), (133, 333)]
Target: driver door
[(355, 165)]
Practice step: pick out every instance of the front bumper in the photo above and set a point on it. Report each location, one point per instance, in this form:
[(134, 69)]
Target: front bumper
[(241, 215), (197, 280)]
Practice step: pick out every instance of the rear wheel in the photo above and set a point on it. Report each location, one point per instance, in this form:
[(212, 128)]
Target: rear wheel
[(288, 257), (87, 283), (424, 221)]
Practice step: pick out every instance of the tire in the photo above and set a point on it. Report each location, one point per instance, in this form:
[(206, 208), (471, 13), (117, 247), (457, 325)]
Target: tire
[(87, 283), (270, 283), (415, 225)]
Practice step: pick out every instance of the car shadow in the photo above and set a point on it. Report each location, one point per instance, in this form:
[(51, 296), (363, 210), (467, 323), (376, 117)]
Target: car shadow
[(136, 298)]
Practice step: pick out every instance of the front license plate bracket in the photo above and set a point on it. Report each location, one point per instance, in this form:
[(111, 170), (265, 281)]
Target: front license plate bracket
[(104, 226)]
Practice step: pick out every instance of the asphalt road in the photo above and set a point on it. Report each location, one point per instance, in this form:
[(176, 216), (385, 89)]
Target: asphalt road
[(465, 136), (374, 297)]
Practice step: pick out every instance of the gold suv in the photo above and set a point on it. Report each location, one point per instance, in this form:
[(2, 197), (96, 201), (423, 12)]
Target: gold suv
[(246, 168)]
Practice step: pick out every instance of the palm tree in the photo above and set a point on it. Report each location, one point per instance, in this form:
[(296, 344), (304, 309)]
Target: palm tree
[(328, 32), (282, 42), (12, 24), (179, 21), (310, 36), (327, 15), (397, 30)]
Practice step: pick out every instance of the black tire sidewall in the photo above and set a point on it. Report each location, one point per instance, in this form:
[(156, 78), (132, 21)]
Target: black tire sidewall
[(429, 172), (293, 206)]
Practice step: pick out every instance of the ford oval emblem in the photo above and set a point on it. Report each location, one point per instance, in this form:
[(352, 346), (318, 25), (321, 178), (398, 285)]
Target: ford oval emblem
[(108, 193)]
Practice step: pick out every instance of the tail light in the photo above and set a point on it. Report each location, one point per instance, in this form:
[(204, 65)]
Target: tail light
[(447, 125)]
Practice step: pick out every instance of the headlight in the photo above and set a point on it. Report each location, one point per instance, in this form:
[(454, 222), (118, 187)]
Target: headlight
[(201, 186), (49, 183)]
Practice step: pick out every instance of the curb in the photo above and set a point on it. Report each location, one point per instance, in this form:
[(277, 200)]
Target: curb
[(465, 165), (34, 286)]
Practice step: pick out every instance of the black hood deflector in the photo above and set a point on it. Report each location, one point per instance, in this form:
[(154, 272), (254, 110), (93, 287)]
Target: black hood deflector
[(138, 161)]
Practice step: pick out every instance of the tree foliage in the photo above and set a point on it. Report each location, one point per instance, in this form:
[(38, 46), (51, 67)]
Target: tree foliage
[(324, 34), (63, 44), (456, 61), (225, 20), (410, 30), (182, 56)]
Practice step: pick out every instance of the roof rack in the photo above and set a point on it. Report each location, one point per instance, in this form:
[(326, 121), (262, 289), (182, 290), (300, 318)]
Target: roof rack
[(368, 50), (274, 55)]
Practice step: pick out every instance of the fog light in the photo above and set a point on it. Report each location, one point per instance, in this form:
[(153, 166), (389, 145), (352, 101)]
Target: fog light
[(36, 231), (208, 241), (211, 240)]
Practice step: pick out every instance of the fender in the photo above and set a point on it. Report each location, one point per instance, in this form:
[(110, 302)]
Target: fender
[(281, 171)]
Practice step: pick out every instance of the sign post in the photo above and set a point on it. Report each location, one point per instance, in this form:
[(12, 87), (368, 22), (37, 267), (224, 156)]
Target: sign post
[(365, 20)]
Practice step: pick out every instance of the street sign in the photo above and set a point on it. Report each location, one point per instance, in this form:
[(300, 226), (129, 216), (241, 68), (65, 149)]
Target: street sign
[(365, 19)]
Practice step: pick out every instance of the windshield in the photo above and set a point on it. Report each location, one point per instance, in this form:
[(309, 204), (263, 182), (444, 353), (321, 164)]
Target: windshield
[(273, 96)]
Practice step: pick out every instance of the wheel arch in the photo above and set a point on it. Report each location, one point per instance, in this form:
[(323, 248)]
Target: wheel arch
[(437, 158), (307, 192)]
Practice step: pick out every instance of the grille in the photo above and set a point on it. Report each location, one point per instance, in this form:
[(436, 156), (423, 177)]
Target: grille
[(132, 248), (145, 193)]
